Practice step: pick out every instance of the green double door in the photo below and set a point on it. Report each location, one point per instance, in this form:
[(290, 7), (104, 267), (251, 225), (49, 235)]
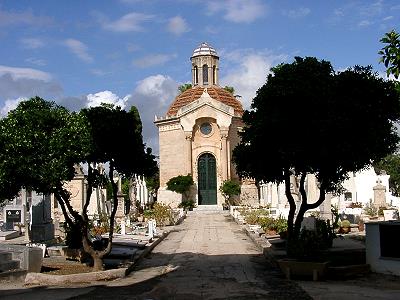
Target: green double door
[(207, 176)]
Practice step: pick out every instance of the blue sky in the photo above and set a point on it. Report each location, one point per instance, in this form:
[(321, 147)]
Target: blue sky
[(136, 52)]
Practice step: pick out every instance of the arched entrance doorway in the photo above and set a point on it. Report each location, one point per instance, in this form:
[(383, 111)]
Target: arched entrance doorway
[(207, 179)]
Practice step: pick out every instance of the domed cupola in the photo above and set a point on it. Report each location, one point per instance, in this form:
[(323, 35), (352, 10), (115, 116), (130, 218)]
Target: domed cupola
[(205, 67)]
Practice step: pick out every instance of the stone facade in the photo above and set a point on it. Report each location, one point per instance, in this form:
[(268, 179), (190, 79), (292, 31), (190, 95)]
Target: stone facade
[(198, 134)]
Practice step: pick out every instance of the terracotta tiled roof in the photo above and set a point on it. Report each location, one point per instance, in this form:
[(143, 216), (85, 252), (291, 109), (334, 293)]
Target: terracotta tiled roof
[(215, 92)]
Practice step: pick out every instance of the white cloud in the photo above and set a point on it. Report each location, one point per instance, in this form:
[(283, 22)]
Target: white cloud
[(132, 47), (249, 70), (106, 97), (388, 18), (177, 25), (26, 82), (24, 73), (79, 49), (297, 13), (152, 96), (35, 61), (23, 18), (9, 105), (32, 43), (128, 22), (238, 11), (364, 23), (99, 72), (153, 60)]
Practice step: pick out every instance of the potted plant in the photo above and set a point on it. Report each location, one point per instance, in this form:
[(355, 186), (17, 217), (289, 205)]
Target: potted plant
[(345, 226), (228, 189), (187, 205), (371, 211)]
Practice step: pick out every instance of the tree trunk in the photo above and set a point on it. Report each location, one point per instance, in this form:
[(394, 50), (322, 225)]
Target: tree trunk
[(292, 204), (97, 263)]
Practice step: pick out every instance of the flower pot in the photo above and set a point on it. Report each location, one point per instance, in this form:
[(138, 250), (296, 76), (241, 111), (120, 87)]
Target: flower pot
[(344, 230), (293, 267)]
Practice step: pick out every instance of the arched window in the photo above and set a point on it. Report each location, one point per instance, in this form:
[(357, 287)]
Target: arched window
[(196, 75), (205, 74), (214, 79)]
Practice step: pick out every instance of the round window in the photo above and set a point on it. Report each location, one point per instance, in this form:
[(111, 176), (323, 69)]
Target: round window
[(205, 128)]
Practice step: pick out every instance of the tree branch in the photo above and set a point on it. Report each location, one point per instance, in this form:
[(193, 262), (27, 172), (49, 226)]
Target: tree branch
[(320, 199)]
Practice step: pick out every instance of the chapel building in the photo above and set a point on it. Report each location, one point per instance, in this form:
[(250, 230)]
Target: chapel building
[(199, 132)]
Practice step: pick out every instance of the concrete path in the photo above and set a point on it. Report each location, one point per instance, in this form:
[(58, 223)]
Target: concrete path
[(206, 257)]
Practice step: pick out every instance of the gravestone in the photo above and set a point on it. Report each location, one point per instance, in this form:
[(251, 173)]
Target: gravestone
[(42, 228), (14, 212), (379, 194), (309, 223)]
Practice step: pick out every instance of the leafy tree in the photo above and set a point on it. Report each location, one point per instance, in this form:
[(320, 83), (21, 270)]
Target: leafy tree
[(108, 126), (391, 165), (390, 54), (181, 184), (230, 89), (229, 188), (184, 87), (308, 120), (153, 182), (41, 142)]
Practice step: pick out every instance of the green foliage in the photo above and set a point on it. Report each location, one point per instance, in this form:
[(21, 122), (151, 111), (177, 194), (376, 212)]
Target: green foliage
[(309, 244), (187, 204), (370, 209), (342, 111), (280, 225), (153, 182), (108, 127), (40, 142), (230, 89), (345, 223), (184, 87), (380, 210), (335, 213), (266, 222), (254, 216), (180, 184), (390, 53), (228, 189), (162, 213), (391, 165)]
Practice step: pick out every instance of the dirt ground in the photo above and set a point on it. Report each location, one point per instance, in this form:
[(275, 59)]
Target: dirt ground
[(58, 265)]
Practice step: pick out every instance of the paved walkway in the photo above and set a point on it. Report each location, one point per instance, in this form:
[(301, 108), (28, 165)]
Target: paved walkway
[(206, 257)]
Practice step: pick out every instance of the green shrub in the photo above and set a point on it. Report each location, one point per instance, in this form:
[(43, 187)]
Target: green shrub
[(229, 189), (267, 223), (181, 184), (310, 243), (163, 214), (370, 209), (281, 225), (345, 223), (187, 204), (380, 210), (253, 217)]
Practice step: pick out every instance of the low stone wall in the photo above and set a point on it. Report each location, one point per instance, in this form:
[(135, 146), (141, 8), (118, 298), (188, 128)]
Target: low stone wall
[(30, 258)]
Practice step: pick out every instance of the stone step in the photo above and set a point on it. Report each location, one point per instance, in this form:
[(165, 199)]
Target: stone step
[(5, 256), (207, 208), (9, 265), (8, 235)]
